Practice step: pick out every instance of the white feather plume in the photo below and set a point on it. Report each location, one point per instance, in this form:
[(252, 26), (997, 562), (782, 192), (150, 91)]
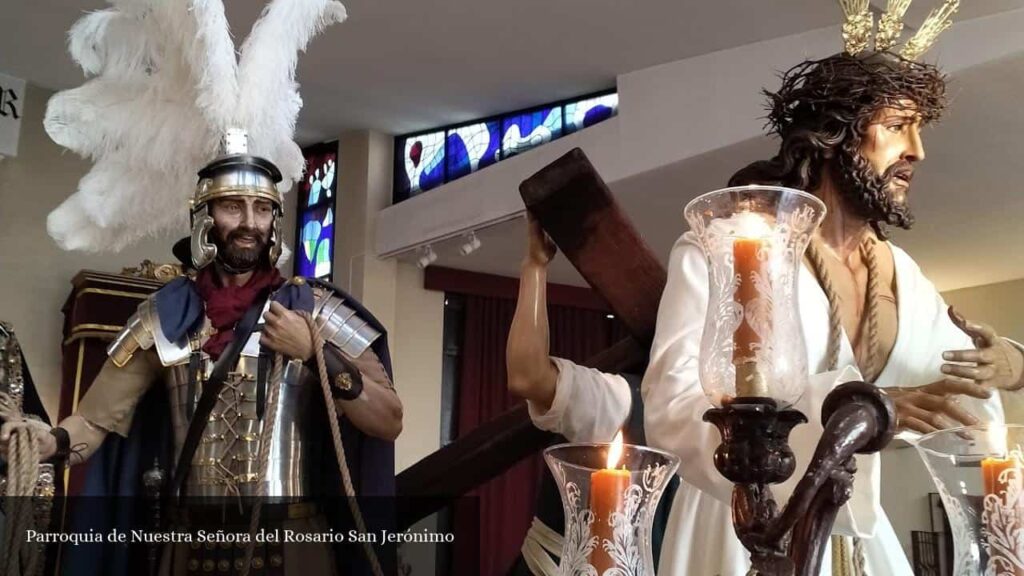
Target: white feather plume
[(166, 85), (269, 101), (213, 58)]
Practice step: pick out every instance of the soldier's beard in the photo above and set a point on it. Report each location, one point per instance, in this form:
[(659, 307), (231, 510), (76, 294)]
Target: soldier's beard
[(869, 193), (237, 259)]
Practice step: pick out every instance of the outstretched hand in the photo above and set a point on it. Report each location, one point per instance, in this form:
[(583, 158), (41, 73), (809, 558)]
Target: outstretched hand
[(993, 362), (935, 406)]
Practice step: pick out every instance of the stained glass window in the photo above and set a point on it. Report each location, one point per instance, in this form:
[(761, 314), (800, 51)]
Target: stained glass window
[(473, 147), (318, 190), (428, 160), (315, 252), (422, 163), (584, 113), (521, 132)]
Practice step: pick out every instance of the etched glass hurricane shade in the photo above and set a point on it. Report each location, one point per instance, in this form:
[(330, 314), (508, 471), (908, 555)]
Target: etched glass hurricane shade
[(754, 239), (979, 471), (609, 496)]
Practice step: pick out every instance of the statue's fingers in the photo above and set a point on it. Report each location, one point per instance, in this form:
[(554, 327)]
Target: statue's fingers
[(6, 429), (955, 385), (982, 334), (916, 424), (976, 373), (975, 355), (952, 408)]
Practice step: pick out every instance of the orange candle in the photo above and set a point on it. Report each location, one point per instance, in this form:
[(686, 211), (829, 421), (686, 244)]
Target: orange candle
[(607, 490), (747, 266), (991, 469)]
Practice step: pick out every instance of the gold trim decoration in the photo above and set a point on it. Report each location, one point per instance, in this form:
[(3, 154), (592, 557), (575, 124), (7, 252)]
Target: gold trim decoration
[(210, 195), (890, 26), (105, 292), (116, 280), (343, 381), (92, 330), (857, 24), (150, 270), (936, 23)]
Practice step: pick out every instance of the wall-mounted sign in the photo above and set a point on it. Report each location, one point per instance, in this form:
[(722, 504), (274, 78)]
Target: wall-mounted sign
[(12, 103)]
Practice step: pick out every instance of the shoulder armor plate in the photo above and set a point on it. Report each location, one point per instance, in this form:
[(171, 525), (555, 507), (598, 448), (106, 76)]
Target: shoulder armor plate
[(137, 333), (341, 325)]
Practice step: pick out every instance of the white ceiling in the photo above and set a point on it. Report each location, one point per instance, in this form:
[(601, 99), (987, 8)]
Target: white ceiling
[(398, 66)]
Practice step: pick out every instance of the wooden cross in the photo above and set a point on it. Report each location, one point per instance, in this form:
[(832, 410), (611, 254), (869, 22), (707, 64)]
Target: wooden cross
[(577, 210)]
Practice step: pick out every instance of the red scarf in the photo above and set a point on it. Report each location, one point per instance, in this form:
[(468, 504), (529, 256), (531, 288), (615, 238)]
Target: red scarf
[(225, 305)]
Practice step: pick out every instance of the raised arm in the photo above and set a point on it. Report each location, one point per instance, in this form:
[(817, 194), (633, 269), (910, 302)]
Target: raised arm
[(531, 373)]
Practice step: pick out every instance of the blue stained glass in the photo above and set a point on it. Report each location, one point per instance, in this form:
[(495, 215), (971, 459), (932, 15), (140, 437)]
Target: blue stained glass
[(525, 131), (314, 251), (320, 182), (584, 113), (423, 160), (473, 147)]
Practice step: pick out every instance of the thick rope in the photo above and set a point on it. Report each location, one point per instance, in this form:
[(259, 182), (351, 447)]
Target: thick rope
[(874, 367), (339, 448), (22, 474), (835, 325), (850, 560)]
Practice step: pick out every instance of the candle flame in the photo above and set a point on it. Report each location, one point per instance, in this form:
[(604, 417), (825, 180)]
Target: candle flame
[(996, 437), (750, 225), (615, 451)]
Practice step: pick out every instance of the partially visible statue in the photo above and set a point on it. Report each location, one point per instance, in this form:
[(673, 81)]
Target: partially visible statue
[(26, 485)]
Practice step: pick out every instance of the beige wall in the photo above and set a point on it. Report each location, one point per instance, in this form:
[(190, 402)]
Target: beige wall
[(418, 350), (1001, 305), (35, 274), (393, 291)]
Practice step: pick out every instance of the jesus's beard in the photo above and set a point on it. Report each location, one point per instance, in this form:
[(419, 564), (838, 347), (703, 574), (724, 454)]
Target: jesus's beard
[(869, 194)]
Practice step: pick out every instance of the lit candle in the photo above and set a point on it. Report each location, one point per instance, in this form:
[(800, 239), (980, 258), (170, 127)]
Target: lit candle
[(607, 490), (748, 251), (996, 484)]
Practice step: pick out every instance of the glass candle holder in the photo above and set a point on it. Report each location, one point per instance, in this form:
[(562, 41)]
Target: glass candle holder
[(979, 472), (609, 501), (754, 239)]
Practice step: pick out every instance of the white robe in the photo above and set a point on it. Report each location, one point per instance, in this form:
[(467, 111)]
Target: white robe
[(590, 406), (700, 538)]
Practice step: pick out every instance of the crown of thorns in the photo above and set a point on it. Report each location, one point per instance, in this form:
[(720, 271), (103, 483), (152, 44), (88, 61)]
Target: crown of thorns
[(844, 88)]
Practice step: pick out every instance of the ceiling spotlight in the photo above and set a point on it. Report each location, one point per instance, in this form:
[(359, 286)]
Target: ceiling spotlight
[(470, 245), (427, 256)]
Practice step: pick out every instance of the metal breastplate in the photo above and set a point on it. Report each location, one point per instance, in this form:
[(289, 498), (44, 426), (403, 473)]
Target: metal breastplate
[(226, 461)]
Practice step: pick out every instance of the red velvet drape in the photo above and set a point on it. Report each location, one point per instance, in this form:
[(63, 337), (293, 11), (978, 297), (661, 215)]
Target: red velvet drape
[(506, 504)]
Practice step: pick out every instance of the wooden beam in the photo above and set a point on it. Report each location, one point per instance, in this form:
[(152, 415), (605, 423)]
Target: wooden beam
[(489, 450), (578, 211)]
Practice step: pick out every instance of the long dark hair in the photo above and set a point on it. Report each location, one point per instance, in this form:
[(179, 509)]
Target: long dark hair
[(825, 106)]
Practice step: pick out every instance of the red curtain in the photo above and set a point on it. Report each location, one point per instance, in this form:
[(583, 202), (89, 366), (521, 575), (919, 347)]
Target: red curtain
[(506, 504)]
